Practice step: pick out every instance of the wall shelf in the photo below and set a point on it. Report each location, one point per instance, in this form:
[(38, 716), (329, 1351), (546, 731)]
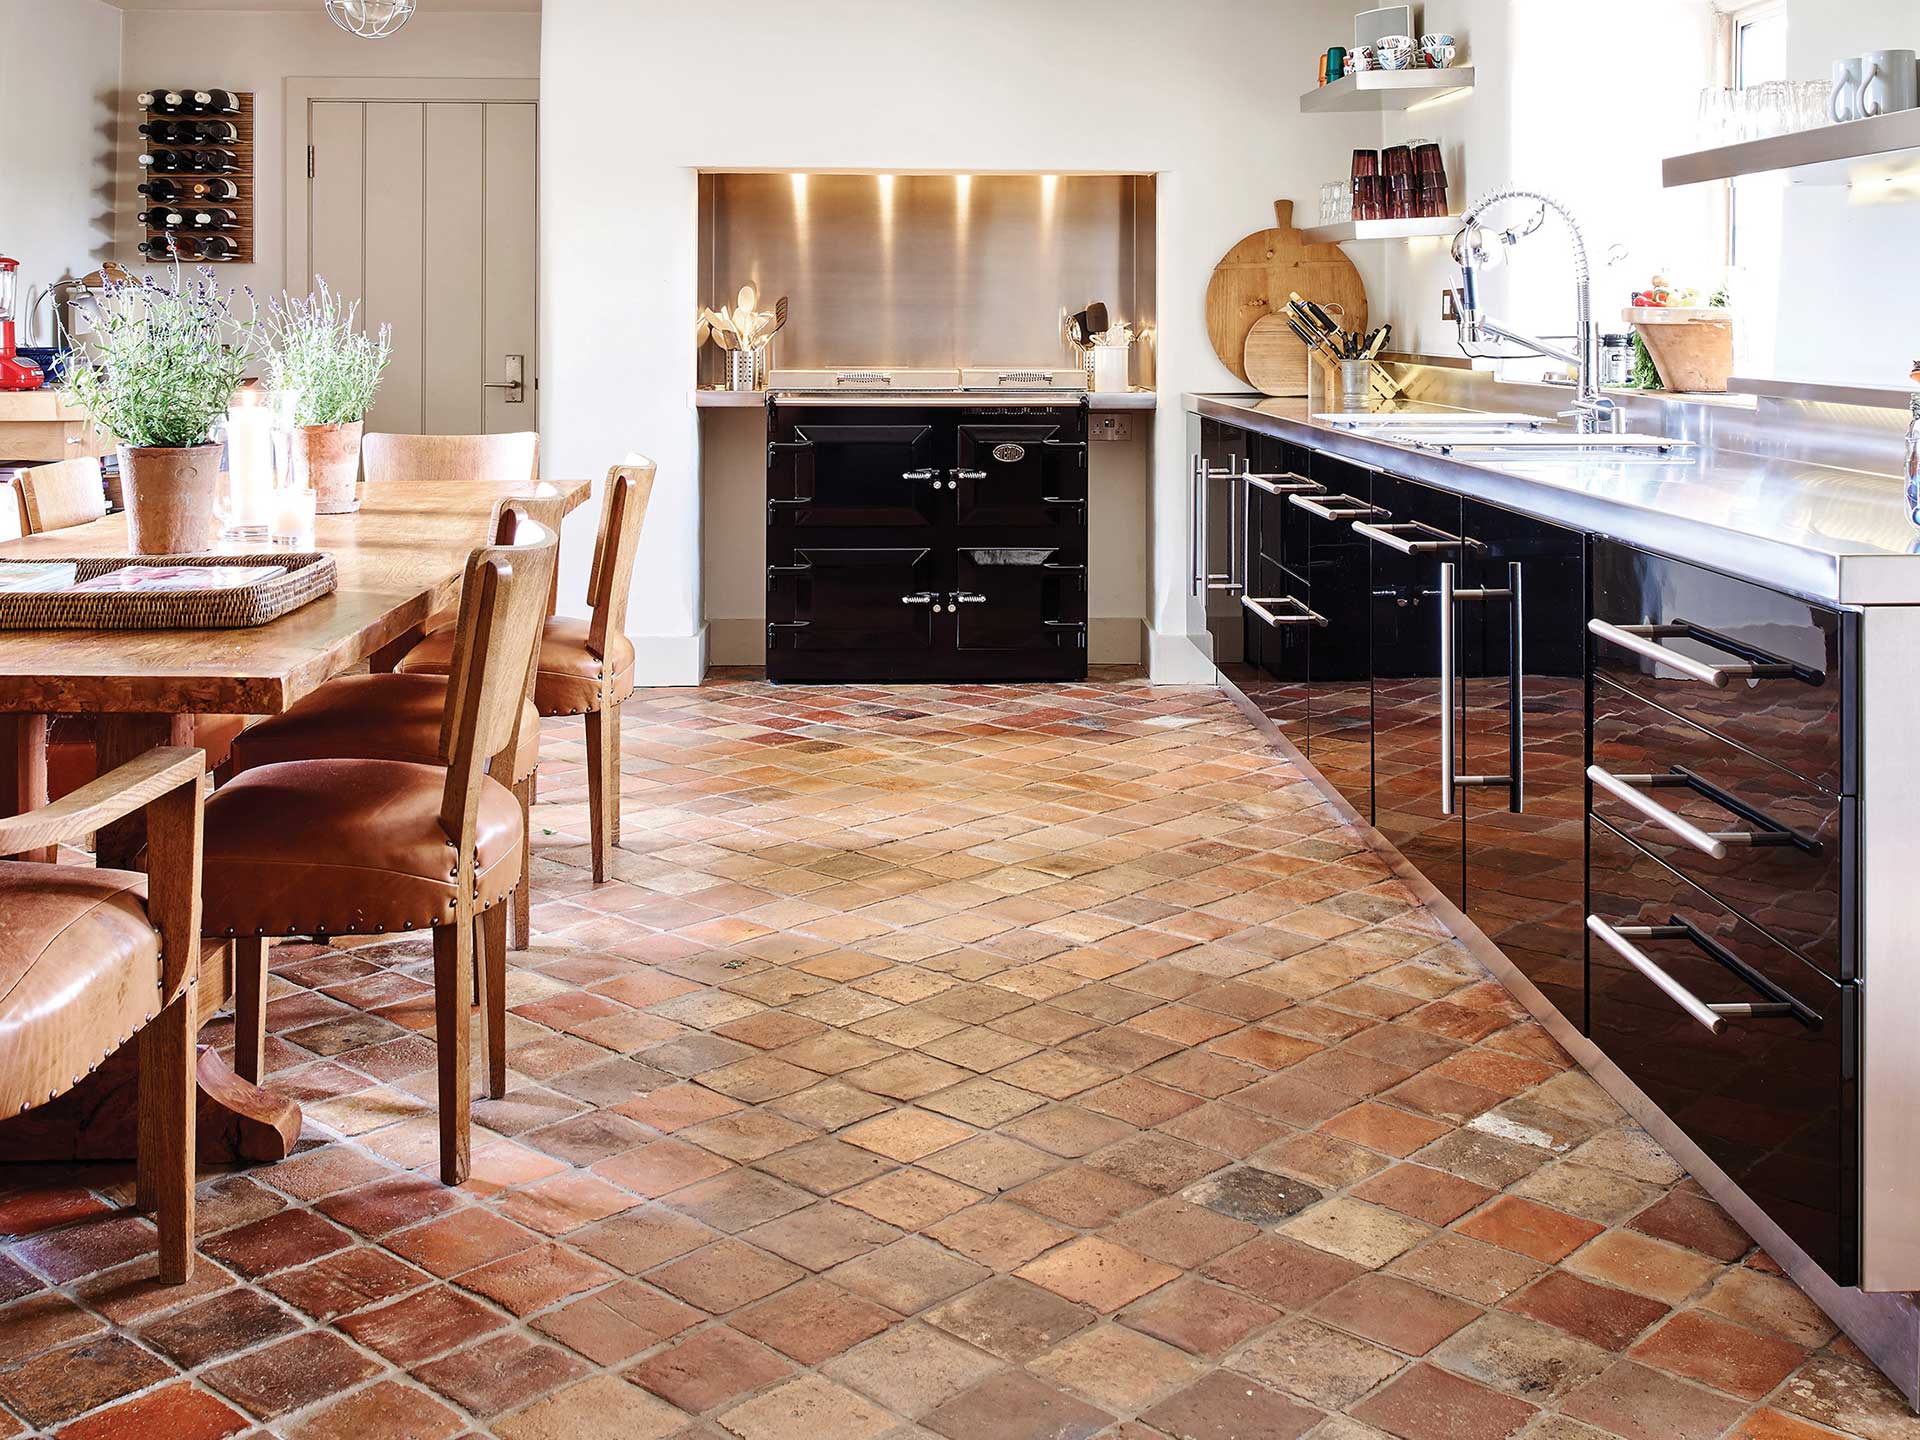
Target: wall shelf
[(1386, 90), (1858, 152), (1379, 230)]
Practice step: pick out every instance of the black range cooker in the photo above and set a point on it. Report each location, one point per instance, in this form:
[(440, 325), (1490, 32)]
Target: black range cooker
[(934, 537)]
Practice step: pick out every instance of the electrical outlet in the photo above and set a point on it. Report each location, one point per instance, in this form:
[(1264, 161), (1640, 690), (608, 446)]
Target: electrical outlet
[(1110, 425), (1447, 312)]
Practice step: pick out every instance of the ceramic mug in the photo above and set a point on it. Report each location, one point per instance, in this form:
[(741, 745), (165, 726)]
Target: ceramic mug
[(1844, 102), (1365, 57), (1439, 50), (1888, 82), (1396, 51)]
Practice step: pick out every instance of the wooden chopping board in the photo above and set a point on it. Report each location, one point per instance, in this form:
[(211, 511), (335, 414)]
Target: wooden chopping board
[(1253, 279)]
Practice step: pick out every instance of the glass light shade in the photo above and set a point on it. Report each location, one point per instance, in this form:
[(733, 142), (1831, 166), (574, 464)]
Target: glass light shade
[(371, 19)]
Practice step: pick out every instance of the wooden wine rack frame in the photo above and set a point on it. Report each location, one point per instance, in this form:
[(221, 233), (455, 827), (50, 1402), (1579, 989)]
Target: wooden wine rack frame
[(242, 177)]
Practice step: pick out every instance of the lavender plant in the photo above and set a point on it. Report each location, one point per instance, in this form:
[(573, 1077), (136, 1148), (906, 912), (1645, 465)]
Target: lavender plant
[(315, 351), (163, 360)]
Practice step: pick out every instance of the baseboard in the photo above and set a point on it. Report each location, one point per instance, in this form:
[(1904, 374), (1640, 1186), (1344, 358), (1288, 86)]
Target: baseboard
[(1111, 640), (1179, 659), (669, 659)]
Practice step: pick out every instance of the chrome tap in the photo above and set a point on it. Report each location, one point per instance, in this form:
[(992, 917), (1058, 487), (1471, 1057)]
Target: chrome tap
[(1592, 411)]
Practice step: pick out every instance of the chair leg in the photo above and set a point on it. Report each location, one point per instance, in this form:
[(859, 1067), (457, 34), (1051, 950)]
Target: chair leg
[(493, 925), (453, 1022), (482, 1000), (522, 900), (249, 1006), (599, 811), (612, 740), (169, 1099)]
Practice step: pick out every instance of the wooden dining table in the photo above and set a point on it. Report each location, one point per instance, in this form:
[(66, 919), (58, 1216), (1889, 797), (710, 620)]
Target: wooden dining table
[(399, 559)]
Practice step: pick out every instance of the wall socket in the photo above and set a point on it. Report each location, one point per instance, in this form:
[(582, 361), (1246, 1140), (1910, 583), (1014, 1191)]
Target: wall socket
[(1110, 425), (1447, 312)]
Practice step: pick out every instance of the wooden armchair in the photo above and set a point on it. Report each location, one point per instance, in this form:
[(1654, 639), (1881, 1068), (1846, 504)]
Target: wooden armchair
[(53, 497), (90, 957)]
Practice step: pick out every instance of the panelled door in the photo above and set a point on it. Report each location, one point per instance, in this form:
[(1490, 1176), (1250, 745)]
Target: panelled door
[(425, 211)]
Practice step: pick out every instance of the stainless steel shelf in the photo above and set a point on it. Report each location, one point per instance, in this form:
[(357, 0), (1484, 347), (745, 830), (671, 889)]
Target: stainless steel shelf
[(1859, 152), (1379, 230), (1386, 90), (1879, 397)]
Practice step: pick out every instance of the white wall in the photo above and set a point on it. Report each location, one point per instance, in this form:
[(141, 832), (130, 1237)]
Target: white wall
[(258, 52), (1204, 94), (1848, 308), (59, 69)]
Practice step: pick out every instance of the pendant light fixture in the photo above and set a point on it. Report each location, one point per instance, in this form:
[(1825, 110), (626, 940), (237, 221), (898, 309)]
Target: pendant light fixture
[(371, 19)]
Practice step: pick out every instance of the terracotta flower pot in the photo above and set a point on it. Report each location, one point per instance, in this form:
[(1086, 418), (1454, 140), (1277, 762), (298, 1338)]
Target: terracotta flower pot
[(327, 457), (169, 493)]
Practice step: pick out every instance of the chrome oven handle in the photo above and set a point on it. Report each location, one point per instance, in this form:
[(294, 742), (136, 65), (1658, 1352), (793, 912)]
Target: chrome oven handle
[(863, 377), (1643, 640), (1331, 509), (921, 597), (1284, 484), (1031, 377), (1431, 541), (925, 472), (1301, 614), (1617, 941), (1452, 594)]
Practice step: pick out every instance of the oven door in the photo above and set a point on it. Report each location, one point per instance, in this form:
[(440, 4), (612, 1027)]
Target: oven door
[(870, 606), (1019, 598), (837, 476), (1028, 472)]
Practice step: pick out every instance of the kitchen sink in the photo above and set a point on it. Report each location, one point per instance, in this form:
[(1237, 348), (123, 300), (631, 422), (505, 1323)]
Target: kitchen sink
[(1486, 436)]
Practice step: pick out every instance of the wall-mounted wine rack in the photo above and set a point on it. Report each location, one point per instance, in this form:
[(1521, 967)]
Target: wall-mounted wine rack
[(198, 156)]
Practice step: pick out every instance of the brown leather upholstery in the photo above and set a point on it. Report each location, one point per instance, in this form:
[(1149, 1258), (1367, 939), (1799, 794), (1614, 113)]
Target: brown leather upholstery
[(347, 847), (570, 679), (79, 970), (71, 761), (374, 717)]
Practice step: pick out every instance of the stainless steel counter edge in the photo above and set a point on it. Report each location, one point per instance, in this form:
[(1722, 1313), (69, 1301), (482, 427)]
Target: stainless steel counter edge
[(703, 399), (1883, 578)]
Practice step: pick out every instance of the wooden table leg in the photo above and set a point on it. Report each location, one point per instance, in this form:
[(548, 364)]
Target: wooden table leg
[(23, 770), (121, 738)]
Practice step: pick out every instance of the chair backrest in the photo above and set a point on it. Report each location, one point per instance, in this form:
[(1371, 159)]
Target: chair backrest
[(514, 457), (503, 600), (54, 497), (629, 488)]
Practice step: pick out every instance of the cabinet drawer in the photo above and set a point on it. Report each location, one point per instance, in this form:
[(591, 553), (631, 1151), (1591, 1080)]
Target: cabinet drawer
[(1771, 1096), (1684, 794), (1761, 669)]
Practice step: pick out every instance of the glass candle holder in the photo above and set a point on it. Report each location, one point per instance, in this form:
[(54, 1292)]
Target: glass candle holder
[(294, 508), (255, 461)]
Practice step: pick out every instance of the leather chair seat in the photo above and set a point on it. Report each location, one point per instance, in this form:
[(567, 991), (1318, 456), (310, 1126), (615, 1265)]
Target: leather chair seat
[(347, 847), (569, 680), (72, 761), (79, 960), (376, 717)]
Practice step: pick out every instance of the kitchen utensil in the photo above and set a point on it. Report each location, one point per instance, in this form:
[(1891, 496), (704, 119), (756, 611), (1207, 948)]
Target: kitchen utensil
[(1096, 317), (1275, 359), (1255, 276), (1888, 82), (1077, 328), (779, 317), (1844, 99), (747, 299), (16, 373), (1379, 341), (1312, 313)]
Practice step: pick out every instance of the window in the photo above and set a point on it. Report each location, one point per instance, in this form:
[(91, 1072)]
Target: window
[(1757, 52)]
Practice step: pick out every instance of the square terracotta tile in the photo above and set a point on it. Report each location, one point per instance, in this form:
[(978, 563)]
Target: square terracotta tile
[(1011, 1318), (1727, 1357), (911, 1199), (500, 1373), (1467, 1268), (911, 1368), (821, 1236), (1529, 1228), (178, 1410), (1014, 1405), (1683, 1218), (1200, 1317), (535, 1279), (346, 1281), (1363, 1233), (708, 1369), (725, 1276), (1327, 1368), (617, 1323), (1599, 1314), (1283, 1272), (221, 1325), (641, 1239), (600, 1408), (1650, 1267), (291, 1374), (1115, 1368), (1429, 1404), (1179, 1233), (660, 1168), (739, 1200), (1523, 1358), (808, 1405), (1081, 1197), (58, 1385), (1002, 1237), (1097, 1273), (1222, 1406), (1636, 1403), (1430, 1195), (908, 1275), (826, 1166), (906, 1134)]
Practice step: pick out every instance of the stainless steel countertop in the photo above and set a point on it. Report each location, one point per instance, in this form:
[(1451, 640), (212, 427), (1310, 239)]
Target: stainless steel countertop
[(1828, 534), (706, 399)]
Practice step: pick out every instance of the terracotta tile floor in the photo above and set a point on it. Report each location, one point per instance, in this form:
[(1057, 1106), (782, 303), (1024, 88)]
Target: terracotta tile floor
[(990, 1064)]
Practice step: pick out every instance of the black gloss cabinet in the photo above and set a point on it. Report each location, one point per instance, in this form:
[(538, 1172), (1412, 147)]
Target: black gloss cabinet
[(931, 542)]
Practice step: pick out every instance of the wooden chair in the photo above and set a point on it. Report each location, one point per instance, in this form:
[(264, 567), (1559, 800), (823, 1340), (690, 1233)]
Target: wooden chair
[(585, 667), (54, 497), (397, 717), (376, 846), (89, 957), (514, 457)]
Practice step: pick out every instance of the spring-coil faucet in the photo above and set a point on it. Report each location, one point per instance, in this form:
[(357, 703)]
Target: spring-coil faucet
[(1594, 412)]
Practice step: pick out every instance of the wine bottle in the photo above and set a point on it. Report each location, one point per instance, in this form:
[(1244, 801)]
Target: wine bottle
[(166, 191), (211, 162), (216, 219), (161, 131), (165, 162), (166, 246), (215, 247), (212, 190), (216, 102), (162, 102), (218, 132), (162, 217)]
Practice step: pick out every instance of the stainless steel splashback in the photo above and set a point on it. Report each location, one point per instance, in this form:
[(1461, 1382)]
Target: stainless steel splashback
[(930, 270)]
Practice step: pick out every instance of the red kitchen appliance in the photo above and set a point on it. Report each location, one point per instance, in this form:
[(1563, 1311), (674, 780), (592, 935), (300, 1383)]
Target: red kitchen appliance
[(15, 373)]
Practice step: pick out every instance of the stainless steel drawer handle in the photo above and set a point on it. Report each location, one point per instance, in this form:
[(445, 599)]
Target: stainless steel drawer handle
[(1284, 484), (1205, 578), (920, 597), (1627, 789), (968, 474), (1515, 778), (1263, 609), (1777, 1006), (1338, 507), (1643, 640), (924, 473), (1423, 539), (1030, 377)]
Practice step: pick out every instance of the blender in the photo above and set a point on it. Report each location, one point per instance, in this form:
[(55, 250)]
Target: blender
[(15, 373)]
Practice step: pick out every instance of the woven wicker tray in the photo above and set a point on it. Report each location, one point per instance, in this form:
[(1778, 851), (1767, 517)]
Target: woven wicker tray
[(309, 574)]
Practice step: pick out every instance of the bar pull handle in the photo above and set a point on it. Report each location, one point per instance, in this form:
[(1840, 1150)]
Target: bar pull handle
[(1338, 507), (1778, 1004), (1643, 640), (1300, 614), (1627, 789), (920, 597), (1617, 941), (966, 597), (1284, 484), (1452, 594), (1424, 540), (863, 377)]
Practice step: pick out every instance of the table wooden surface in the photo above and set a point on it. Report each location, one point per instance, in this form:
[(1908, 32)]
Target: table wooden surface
[(399, 559)]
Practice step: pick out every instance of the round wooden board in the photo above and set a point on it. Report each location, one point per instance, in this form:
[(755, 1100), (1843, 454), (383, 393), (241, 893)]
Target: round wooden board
[(1254, 277), (1276, 358)]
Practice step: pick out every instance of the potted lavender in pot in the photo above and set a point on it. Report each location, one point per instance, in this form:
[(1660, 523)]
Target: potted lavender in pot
[(164, 362), (315, 352)]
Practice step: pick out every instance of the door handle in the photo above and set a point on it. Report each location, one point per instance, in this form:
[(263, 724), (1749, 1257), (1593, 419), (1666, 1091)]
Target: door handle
[(925, 474), (1204, 576), (968, 474), (1627, 788), (1427, 539), (1299, 613), (516, 382), (1333, 509), (921, 597), (1779, 1004), (1450, 595), (1284, 484), (1643, 640), (966, 597)]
